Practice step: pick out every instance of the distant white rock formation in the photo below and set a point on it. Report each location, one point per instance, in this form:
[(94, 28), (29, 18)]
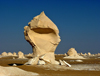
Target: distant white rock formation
[(4, 54), (10, 54), (72, 53), (20, 55)]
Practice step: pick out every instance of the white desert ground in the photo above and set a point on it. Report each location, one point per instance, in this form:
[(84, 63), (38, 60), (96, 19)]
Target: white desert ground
[(14, 66)]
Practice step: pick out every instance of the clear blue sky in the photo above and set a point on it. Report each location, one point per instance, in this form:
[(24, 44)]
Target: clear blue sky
[(77, 20)]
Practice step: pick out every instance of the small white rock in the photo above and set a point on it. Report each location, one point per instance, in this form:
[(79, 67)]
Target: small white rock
[(67, 63), (41, 62), (79, 61), (61, 62), (14, 65)]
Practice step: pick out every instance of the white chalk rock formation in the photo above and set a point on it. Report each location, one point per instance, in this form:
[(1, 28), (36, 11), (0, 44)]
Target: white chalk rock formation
[(14, 54), (10, 54), (85, 54), (4, 54), (72, 53), (29, 54), (81, 54), (21, 55), (98, 54), (89, 54), (43, 35)]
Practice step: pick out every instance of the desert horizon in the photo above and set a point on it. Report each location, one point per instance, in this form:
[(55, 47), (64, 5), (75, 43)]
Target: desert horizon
[(90, 66)]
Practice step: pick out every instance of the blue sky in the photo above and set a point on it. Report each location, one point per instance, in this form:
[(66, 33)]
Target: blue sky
[(77, 20)]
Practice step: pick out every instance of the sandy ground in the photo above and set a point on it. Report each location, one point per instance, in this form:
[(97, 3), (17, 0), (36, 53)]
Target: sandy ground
[(88, 67)]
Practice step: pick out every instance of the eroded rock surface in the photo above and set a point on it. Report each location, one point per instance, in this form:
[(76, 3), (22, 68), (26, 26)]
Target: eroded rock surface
[(72, 53), (43, 35)]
